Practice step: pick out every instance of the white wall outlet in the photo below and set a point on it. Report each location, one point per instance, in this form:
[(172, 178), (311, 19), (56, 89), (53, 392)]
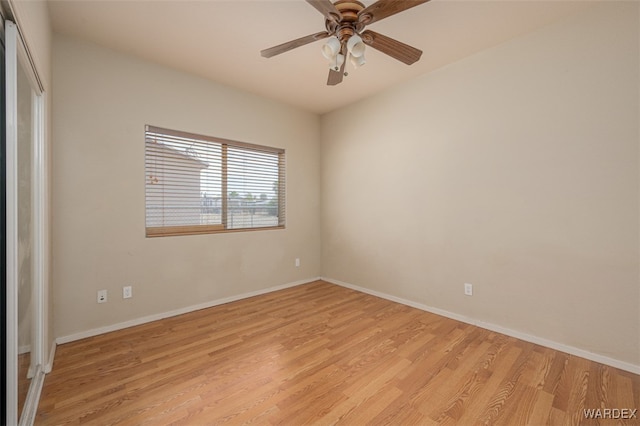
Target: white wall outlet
[(127, 292), (297, 262), (468, 289), (102, 296)]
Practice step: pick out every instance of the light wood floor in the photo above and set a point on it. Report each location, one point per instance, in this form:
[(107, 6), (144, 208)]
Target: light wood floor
[(323, 354)]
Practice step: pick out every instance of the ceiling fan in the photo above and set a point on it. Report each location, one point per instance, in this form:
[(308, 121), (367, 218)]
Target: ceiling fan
[(345, 21)]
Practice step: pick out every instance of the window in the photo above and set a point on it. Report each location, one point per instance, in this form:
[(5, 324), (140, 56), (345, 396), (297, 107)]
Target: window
[(199, 184)]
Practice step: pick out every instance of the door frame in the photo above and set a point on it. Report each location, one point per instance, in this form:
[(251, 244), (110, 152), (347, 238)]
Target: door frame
[(16, 53)]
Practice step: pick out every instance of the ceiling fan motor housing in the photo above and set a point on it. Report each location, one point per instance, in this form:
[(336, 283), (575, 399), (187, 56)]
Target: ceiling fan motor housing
[(349, 24)]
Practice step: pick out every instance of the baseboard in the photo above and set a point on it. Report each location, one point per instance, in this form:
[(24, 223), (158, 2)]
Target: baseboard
[(622, 365), (138, 321)]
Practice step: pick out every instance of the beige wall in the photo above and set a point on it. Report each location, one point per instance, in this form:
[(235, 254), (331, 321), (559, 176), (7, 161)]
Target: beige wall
[(515, 170), (103, 101)]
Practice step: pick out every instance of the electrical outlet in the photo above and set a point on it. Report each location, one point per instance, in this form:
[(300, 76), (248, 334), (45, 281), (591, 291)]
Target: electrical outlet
[(127, 292), (102, 296), (297, 262), (468, 289)]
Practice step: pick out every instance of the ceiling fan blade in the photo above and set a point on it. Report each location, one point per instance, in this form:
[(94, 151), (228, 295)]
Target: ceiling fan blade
[(335, 77), (385, 8), (394, 48), (285, 47), (327, 9)]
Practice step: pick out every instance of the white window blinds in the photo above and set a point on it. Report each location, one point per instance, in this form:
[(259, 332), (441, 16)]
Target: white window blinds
[(200, 184)]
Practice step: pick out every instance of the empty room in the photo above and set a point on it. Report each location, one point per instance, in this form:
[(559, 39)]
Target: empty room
[(293, 212)]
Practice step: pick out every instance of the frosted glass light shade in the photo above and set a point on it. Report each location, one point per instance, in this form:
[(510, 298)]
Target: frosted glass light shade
[(331, 48), (355, 46), (357, 61)]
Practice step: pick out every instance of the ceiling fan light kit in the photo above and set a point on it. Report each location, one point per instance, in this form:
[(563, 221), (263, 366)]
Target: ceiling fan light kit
[(345, 21), (355, 48)]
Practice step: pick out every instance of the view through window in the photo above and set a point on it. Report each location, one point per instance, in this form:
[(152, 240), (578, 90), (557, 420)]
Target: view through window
[(198, 184)]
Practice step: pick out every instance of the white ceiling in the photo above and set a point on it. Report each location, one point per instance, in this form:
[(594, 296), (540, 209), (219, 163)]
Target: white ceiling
[(221, 40)]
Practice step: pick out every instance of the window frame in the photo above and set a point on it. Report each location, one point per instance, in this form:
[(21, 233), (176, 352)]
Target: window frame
[(164, 231)]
